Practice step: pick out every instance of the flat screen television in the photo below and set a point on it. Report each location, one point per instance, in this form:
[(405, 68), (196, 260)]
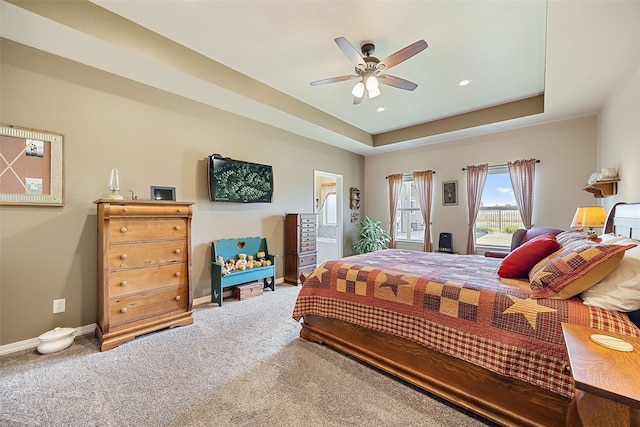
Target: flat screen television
[(239, 181)]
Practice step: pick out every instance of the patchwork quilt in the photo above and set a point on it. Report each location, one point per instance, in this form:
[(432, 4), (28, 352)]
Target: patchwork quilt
[(457, 305)]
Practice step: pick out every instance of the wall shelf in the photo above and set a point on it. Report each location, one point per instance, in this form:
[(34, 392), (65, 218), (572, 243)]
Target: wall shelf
[(354, 198), (603, 188)]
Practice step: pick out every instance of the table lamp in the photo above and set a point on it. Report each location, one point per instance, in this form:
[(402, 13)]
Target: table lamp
[(589, 217)]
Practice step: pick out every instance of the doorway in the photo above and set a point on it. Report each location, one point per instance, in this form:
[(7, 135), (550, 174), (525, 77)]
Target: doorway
[(328, 208)]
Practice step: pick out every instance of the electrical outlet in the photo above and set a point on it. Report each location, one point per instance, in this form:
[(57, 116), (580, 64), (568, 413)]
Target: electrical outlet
[(59, 305)]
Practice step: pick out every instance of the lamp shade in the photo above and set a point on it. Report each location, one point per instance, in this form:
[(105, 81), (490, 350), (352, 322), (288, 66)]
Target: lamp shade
[(590, 217)]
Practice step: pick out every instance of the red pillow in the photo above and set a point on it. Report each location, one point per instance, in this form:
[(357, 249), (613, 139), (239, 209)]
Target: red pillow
[(520, 261)]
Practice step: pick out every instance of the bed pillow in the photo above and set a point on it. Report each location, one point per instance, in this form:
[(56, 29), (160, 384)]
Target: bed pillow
[(610, 238), (569, 236), (519, 261), (620, 289), (574, 268)]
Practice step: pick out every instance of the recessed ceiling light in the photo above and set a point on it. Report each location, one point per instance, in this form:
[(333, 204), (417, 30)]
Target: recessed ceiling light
[(380, 109), (464, 82)]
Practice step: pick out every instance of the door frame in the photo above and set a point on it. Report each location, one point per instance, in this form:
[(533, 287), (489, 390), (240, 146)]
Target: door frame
[(339, 204)]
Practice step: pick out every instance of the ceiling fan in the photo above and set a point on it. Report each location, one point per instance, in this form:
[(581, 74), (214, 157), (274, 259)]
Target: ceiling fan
[(370, 69)]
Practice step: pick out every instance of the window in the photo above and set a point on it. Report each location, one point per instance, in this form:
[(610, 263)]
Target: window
[(498, 217), (409, 221), (329, 211)]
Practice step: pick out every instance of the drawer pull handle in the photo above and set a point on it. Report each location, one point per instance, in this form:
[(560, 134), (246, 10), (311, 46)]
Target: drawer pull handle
[(177, 251), (123, 256), (178, 210), (124, 209), (177, 274), (124, 283), (178, 298), (177, 228), (123, 310), (123, 230)]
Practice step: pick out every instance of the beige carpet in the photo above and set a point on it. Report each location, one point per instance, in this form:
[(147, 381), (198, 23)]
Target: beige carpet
[(242, 364)]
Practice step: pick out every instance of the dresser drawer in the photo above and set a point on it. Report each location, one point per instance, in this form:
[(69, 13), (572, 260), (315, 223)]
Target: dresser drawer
[(307, 220), (131, 229), (308, 233), (147, 304), (146, 279), (309, 259), (130, 255), (148, 210), (308, 245)]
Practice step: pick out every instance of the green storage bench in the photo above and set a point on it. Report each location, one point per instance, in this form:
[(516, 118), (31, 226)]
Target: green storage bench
[(230, 249)]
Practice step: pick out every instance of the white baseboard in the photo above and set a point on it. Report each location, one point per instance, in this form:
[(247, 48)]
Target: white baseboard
[(33, 342), (89, 329)]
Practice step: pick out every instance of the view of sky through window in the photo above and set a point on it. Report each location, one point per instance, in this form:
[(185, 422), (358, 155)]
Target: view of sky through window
[(498, 191)]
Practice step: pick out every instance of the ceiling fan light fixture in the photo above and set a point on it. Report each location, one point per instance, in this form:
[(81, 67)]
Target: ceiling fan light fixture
[(372, 83), (374, 92), (358, 90)]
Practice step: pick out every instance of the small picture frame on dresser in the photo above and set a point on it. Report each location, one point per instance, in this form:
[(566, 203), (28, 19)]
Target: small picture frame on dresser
[(163, 193)]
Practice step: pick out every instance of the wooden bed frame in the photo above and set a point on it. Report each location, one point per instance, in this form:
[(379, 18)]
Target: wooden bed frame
[(503, 400)]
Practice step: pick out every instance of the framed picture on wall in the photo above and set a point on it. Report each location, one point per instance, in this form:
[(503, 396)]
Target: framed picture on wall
[(450, 193), (30, 167)]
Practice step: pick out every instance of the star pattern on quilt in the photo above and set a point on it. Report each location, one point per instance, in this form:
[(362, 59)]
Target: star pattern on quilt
[(393, 281), (528, 307), (317, 279)]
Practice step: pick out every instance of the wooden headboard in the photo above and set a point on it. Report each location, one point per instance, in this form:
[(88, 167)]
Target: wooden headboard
[(624, 220)]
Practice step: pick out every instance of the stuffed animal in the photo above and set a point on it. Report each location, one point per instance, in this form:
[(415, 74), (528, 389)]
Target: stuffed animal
[(262, 258), (252, 262), (220, 260), (241, 264), (231, 265)]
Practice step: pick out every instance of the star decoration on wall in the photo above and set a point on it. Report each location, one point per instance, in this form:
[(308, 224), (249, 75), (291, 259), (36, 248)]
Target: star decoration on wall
[(528, 307)]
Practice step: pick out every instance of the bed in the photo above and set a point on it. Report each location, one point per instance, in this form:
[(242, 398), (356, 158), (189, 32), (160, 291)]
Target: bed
[(451, 326)]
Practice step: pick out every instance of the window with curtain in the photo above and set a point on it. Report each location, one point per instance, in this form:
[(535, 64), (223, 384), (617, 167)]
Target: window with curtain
[(409, 220), (498, 217)]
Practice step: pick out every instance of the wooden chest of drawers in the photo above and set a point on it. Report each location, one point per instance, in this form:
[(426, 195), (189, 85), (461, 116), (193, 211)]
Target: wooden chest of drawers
[(300, 255), (144, 268)]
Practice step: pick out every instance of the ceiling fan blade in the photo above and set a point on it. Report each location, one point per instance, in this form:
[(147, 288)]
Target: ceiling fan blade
[(398, 82), (333, 80), (402, 55), (351, 52)]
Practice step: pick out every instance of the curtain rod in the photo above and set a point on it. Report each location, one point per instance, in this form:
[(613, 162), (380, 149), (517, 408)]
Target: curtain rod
[(499, 166), (407, 175)]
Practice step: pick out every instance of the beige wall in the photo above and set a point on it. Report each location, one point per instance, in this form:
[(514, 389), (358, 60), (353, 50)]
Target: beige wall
[(154, 138), (619, 127), (567, 151)]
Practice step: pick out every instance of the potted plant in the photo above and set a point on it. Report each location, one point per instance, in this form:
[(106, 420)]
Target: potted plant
[(372, 236)]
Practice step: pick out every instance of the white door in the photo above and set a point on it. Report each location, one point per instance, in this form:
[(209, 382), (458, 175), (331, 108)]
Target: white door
[(328, 208)]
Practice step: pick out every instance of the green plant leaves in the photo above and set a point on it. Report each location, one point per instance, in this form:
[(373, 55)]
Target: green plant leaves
[(372, 236)]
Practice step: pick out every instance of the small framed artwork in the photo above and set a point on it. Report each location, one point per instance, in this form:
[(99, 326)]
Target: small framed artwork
[(163, 193), (450, 193), (30, 167)]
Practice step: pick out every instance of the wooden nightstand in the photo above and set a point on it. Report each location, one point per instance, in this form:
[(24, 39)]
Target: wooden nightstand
[(607, 382)]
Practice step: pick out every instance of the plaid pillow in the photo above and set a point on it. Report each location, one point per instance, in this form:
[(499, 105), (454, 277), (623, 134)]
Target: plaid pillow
[(572, 235), (575, 267)]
